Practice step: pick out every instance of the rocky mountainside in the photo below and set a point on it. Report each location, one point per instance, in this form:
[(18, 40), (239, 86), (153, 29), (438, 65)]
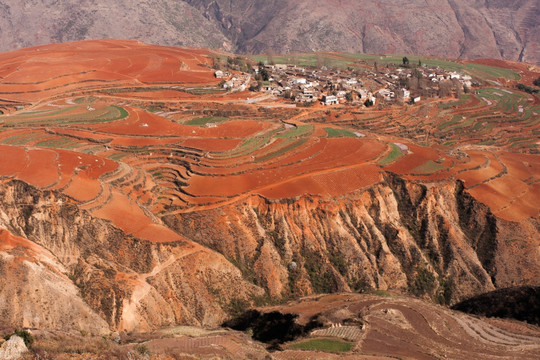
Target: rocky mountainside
[(435, 242), (431, 240), (99, 277), (446, 28), (35, 22)]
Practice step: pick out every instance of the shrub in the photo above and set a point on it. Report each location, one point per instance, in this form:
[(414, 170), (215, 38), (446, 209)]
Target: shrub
[(142, 349), (423, 283), (528, 89), (24, 334)]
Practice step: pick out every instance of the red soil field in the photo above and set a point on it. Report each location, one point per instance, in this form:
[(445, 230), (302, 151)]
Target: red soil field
[(474, 177), (82, 189), (41, 169), (44, 71), (418, 156), (12, 160), (144, 123), (338, 154), (333, 183)]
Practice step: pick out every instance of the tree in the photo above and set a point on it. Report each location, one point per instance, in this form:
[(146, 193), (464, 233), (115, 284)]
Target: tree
[(270, 56), (368, 103), (264, 74), (537, 81), (459, 88), (405, 61), (417, 74), (255, 86), (419, 62), (349, 96), (445, 88)]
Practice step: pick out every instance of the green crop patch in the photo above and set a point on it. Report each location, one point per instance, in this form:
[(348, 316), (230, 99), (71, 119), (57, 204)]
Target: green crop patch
[(394, 154), (299, 131), (326, 345), (333, 132), (491, 72), (282, 151), (107, 114), (206, 121), (428, 167)]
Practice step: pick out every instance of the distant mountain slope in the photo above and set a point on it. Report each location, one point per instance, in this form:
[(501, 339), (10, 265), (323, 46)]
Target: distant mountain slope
[(26, 23), (447, 28)]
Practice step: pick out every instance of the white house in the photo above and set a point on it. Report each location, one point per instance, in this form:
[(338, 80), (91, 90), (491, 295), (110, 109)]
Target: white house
[(404, 93), (329, 100), (387, 94)]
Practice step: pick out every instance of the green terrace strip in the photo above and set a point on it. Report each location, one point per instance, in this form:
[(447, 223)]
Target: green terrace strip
[(64, 143), (486, 71), (299, 131), (206, 120), (51, 112), (326, 345), (248, 146), (108, 114), (394, 154), (22, 139), (282, 151), (463, 100), (333, 132)]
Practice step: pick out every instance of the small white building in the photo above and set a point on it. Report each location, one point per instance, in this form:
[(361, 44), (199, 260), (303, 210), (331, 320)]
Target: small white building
[(329, 100), (404, 93), (387, 94), (219, 74)]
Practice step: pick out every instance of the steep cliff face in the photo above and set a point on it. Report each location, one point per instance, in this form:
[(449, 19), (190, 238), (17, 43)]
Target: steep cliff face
[(431, 240), (129, 283)]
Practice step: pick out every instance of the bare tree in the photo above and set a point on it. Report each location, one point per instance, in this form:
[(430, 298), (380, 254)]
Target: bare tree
[(458, 87), (270, 57), (445, 88)]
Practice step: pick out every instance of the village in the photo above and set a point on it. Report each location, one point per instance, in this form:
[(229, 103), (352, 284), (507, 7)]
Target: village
[(364, 87)]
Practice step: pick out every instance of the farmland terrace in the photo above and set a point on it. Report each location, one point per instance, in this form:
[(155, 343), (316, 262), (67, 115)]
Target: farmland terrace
[(144, 140)]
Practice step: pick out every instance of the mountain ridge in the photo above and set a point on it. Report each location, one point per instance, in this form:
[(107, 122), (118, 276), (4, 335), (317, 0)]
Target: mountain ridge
[(449, 28)]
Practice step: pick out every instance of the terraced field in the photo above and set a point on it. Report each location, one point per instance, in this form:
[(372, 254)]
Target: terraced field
[(170, 160), (398, 327)]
